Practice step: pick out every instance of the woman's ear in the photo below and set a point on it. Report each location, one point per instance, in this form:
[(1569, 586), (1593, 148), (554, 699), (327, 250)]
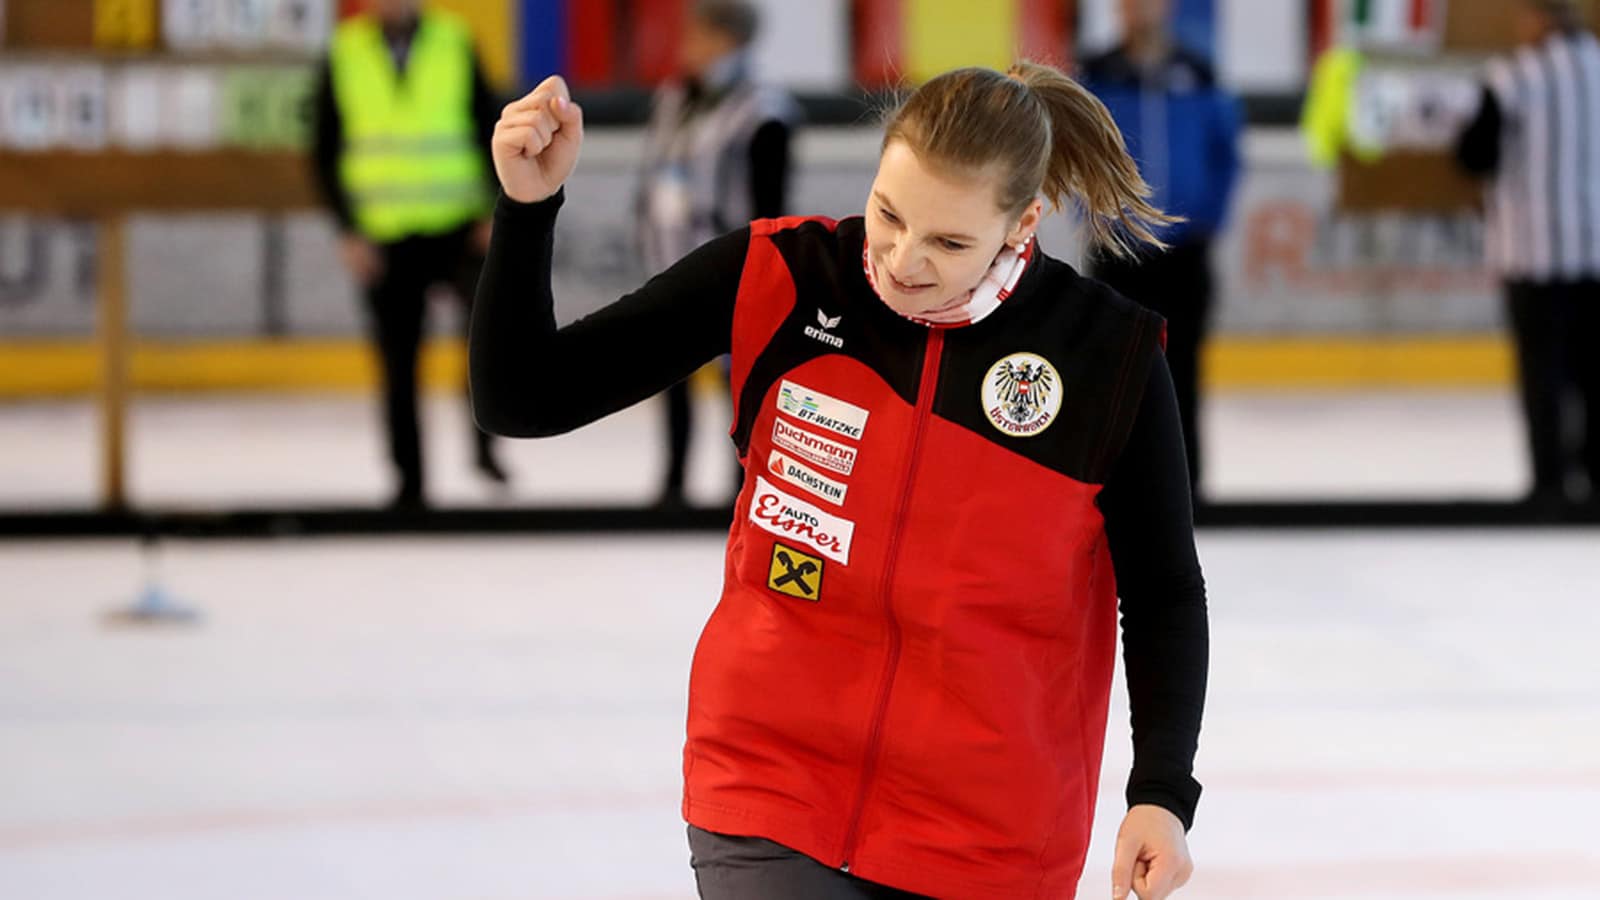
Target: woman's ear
[(1026, 225)]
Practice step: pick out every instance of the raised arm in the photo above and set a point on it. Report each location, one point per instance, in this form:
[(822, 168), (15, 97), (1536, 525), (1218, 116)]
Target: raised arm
[(530, 379)]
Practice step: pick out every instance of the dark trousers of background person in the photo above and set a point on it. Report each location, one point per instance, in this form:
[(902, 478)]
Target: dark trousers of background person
[(1177, 284), (748, 868), (1554, 325), (680, 424), (397, 312)]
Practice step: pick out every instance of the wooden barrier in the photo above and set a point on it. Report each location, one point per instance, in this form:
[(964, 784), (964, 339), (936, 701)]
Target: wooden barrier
[(107, 187)]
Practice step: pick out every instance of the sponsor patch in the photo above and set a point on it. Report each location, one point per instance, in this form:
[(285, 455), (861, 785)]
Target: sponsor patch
[(819, 409), (797, 520), (814, 448), (1022, 395), (795, 573), (805, 478)]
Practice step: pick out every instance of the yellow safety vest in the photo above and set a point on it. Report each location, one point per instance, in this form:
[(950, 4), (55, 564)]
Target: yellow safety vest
[(411, 164), (1331, 109)]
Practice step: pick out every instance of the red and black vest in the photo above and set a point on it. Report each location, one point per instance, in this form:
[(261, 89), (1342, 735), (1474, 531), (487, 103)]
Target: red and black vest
[(908, 673)]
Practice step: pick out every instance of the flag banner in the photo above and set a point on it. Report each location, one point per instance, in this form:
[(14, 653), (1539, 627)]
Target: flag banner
[(124, 24), (1411, 25), (134, 110), (81, 97)]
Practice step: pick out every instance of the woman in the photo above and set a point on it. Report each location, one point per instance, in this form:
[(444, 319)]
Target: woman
[(951, 439)]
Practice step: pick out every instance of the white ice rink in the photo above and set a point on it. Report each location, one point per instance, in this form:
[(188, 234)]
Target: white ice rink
[(1392, 714)]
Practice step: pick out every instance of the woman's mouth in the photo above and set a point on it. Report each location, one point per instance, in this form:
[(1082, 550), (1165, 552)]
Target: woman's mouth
[(905, 288)]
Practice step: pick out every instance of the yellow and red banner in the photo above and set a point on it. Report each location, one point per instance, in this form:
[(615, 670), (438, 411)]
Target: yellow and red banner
[(913, 40)]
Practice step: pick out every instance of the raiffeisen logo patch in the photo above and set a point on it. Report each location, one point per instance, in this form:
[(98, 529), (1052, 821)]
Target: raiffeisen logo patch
[(789, 517), (816, 408), (796, 573)]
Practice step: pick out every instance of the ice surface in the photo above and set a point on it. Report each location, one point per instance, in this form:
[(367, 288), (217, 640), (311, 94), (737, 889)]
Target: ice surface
[(1392, 715)]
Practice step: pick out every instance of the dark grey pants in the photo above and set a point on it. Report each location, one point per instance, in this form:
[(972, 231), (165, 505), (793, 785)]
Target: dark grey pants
[(746, 868)]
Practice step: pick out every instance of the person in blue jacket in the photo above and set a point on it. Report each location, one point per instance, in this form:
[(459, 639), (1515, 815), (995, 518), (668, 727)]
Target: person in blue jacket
[(1183, 129)]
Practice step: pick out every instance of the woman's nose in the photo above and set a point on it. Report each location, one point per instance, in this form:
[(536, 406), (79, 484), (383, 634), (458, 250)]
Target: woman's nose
[(903, 261)]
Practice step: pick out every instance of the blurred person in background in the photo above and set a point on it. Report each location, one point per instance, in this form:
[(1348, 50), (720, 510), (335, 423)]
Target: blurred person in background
[(402, 121), (716, 156), (1536, 137), (963, 460), (1184, 132)]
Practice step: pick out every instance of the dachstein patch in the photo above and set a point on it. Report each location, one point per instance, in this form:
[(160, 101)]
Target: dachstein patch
[(806, 478), (1022, 395)]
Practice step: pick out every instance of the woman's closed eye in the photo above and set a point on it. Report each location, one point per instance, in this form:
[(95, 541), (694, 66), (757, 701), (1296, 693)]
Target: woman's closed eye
[(946, 244)]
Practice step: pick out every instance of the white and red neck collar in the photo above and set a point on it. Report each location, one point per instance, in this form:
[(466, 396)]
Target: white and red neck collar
[(997, 284)]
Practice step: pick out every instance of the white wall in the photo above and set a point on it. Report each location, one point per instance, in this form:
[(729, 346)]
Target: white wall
[(1261, 44), (805, 46), (1099, 24)]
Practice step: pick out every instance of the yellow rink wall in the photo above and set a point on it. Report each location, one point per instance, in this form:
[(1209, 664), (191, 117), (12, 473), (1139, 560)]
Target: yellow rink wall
[(65, 368)]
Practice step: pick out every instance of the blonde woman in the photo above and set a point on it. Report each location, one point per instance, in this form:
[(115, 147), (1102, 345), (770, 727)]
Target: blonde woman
[(959, 454)]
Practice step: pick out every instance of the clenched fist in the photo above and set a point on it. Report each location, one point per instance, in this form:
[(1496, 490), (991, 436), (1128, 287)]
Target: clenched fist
[(1152, 857), (536, 142)]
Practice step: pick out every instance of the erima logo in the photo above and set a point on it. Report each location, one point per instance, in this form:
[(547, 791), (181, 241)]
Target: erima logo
[(821, 334)]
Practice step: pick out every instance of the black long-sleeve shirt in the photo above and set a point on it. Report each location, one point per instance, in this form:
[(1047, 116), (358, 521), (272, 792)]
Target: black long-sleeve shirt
[(769, 169), (1478, 146), (683, 318), (327, 141)]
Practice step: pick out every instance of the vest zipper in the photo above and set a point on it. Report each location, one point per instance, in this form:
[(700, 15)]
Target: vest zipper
[(926, 386)]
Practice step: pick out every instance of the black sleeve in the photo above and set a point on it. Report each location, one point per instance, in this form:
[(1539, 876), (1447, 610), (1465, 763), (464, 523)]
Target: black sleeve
[(1166, 644), (486, 106), (530, 379), (327, 145), (1478, 147), (769, 170)]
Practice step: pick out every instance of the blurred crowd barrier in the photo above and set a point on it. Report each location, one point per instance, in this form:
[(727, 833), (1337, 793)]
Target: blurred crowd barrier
[(221, 87), (1291, 265), (217, 89), (1365, 270)]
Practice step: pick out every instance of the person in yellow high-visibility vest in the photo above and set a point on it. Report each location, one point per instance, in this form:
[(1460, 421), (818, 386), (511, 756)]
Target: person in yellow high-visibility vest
[(403, 120)]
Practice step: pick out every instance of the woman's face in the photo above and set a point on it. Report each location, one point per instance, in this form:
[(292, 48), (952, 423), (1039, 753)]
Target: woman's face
[(932, 235)]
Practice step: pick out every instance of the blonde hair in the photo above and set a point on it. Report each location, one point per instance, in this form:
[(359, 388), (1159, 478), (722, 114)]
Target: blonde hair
[(1047, 134)]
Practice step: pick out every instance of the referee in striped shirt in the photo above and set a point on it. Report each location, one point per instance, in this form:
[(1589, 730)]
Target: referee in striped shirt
[(1536, 137)]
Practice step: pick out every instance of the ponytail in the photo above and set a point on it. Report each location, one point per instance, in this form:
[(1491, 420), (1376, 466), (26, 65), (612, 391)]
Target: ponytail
[(1089, 164), (1047, 134)]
